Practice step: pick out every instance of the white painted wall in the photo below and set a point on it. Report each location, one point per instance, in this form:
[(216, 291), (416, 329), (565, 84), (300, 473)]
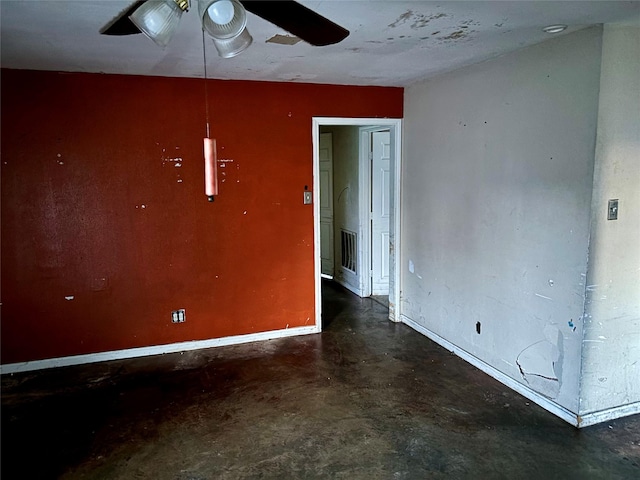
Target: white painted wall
[(496, 193), (345, 193), (611, 351)]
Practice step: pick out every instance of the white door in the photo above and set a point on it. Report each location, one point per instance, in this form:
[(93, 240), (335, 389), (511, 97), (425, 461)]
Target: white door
[(326, 204), (380, 211)]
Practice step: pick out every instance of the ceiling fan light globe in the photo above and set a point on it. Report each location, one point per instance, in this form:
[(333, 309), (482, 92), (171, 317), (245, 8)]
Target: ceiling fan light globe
[(221, 12), (222, 31), (230, 47), (158, 20)]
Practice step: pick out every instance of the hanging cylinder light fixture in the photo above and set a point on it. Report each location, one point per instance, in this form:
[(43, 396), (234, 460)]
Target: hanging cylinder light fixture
[(210, 168)]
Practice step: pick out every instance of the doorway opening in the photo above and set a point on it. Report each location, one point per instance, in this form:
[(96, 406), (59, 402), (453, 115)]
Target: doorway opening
[(356, 207)]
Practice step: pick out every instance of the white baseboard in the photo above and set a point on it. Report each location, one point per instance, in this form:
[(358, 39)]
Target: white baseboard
[(154, 350), (600, 416), (535, 397)]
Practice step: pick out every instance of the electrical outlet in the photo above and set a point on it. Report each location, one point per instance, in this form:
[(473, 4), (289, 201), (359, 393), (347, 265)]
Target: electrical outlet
[(178, 316)]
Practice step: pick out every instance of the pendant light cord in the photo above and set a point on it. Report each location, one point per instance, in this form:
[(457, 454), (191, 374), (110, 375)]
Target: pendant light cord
[(206, 88)]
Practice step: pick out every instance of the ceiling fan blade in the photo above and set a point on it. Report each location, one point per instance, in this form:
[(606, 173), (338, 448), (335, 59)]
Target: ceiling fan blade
[(121, 25), (298, 20)]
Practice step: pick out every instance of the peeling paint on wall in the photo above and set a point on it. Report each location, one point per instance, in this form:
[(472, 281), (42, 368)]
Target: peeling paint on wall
[(455, 35), (419, 20), (540, 364), (401, 19)]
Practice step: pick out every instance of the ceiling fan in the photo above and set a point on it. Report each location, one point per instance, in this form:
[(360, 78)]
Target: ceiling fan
[(225, 21)]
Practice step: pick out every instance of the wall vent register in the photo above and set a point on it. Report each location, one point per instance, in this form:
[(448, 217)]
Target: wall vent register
[(348, 249)]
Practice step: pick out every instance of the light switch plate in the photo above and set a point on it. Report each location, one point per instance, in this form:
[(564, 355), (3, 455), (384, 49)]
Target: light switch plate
[(308, 198), (612, 211)]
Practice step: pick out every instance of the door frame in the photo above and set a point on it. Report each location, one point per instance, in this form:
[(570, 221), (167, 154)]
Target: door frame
[(395, 126)]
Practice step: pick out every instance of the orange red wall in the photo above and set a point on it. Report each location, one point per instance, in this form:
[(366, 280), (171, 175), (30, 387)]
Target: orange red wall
[(105, 225)]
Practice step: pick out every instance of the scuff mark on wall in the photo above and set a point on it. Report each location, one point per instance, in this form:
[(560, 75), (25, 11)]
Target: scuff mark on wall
[(543, 296), (177, 161), (167, 158), (99, 284)]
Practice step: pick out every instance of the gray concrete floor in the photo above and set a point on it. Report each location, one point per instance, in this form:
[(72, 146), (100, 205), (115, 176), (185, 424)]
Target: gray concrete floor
[(366, 399)]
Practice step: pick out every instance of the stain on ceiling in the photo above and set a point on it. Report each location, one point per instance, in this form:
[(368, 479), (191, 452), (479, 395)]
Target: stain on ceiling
[(392, 42)]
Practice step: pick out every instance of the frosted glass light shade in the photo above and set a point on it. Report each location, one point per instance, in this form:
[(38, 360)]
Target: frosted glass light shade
[(226, 22), (231, 47), (158, 20), (212, 12), (221, 12)]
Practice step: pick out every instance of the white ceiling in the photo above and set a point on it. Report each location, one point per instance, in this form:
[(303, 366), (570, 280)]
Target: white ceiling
[(392, 42)]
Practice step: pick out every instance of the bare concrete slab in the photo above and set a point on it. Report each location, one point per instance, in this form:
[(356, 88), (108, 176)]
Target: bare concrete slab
[(366, 399)]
